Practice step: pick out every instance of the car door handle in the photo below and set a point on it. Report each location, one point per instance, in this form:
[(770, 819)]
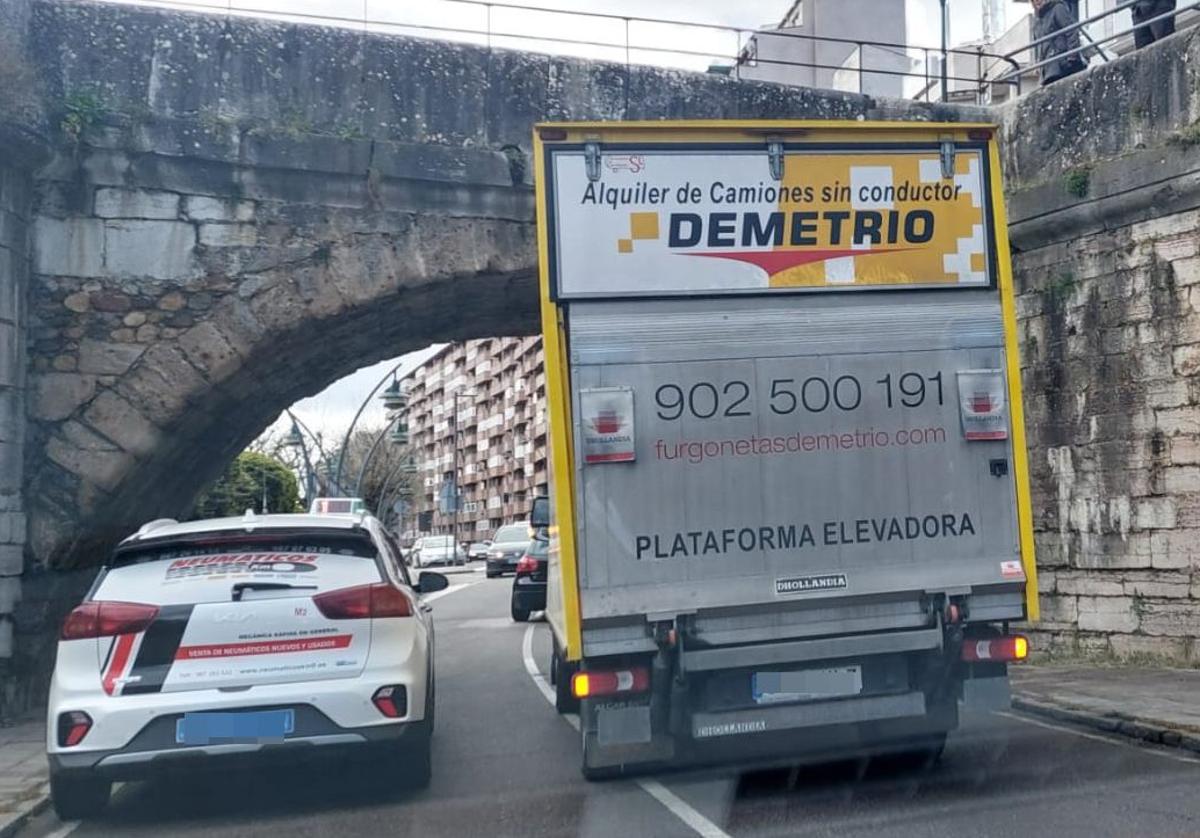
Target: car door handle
[(426, 607)]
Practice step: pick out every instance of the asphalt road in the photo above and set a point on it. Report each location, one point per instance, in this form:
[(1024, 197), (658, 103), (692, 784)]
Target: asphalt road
[(506, 764)]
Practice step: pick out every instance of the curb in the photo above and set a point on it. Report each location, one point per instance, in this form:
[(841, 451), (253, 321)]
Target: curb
[(12, 822), (1121, 724)]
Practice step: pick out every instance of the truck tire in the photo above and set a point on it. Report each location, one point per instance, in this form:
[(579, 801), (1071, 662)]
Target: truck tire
[(560, 676), (76, 798)]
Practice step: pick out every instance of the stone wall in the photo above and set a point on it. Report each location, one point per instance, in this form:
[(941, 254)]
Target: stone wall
[(1103, 176), (15, 190)]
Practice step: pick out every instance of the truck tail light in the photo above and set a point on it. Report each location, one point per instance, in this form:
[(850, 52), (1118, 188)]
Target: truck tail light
[(363, 601), (72, 727), (107, 619), (996, 650), (596, 682)]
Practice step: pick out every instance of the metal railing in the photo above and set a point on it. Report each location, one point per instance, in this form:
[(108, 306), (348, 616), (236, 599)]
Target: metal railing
[(1084, 50), (730, 50), (735, 57)]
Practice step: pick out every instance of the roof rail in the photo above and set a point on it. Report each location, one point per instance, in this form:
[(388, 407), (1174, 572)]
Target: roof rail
[(156, 524)]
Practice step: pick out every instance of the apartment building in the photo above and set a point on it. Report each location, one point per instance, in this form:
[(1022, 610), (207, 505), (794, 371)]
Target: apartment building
[(485, 399)]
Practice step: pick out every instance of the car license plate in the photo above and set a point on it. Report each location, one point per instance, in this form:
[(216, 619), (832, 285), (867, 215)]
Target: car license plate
[(806, 684), (219, 728)]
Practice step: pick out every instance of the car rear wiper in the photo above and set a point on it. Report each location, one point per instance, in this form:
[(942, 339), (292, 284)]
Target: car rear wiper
[(241, 587)]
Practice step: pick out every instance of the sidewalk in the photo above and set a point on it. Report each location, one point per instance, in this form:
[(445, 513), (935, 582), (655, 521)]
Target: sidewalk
[(1156, 705), (23, 783)]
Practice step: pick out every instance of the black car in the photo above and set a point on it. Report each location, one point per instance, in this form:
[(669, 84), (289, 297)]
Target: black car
[(529, 586), (507, 548)]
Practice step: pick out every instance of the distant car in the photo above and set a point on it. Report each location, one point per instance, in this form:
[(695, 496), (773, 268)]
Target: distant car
[(529, 585), (220, 642), (478, 550), (507, 548), (436, 549), (337, 506)]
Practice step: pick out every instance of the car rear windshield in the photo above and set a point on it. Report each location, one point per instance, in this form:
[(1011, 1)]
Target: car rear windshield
[(437, 541), (512, 533), (218, 544)]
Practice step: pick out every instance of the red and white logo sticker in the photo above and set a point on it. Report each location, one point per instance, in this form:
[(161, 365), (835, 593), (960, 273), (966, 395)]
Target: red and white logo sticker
[(1012, 570)]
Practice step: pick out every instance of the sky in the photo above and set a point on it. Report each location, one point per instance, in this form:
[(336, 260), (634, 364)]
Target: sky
[(330, 411)]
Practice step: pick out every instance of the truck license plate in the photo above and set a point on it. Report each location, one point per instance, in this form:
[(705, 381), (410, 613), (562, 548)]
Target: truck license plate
[(806, 684)]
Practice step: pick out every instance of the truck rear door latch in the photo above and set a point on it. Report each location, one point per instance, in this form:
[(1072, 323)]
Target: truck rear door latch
[(591, 159), (775, 159)]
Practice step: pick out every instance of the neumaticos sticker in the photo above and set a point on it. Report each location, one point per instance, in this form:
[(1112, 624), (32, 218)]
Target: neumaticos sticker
[(221, 564), (688, 221)]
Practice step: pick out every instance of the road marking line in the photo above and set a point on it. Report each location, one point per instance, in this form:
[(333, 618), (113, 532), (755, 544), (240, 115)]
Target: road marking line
[(539, 680), (681, 809), (672, 802), (446, 592), (1114, 739)]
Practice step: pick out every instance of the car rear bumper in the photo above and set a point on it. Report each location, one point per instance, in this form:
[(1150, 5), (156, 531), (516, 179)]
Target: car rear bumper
[(150, 751), (529, 595)]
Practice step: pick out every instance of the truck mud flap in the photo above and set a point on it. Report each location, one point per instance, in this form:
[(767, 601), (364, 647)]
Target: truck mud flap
[(979, 694), (620, 733), (815, 714)]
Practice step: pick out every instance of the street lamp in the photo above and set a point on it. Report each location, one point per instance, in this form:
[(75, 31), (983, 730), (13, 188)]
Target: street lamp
[(295, 439), (362, 472), (454, 495), (337, 479)]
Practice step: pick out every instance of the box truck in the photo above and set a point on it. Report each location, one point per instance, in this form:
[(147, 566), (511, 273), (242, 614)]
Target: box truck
[(789, 511)]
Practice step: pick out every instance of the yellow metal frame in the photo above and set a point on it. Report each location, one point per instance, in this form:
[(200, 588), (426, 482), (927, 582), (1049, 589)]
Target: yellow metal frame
[(711, 130)]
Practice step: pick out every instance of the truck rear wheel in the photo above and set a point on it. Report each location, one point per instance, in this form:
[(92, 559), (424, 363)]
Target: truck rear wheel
[(560, 676)]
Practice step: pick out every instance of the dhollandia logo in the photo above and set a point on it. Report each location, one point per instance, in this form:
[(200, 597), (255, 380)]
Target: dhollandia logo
[(606, 422), (799, 237)]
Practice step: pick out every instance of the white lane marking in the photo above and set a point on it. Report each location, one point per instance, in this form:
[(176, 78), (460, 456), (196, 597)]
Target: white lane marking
[(1115, 739), (680, 808), (447, 591), (539, 680), (674, 804)]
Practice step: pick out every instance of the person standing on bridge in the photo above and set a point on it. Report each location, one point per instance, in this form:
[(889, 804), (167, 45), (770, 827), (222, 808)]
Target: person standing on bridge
[(1144, 10), (1053, 36)]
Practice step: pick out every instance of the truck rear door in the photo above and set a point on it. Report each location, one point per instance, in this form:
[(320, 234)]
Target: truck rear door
[(791, 377)]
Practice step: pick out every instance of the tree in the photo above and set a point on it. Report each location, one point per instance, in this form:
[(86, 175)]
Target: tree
[(243, 485), (384, 475)]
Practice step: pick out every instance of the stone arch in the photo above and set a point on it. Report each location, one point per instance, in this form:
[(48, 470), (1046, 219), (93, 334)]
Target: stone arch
[(156, 421)]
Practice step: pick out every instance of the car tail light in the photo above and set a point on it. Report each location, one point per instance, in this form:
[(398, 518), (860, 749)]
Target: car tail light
[(72, 727), (527, 564), (596, 682), (391, 701), (996, 649), (363, 601), (107, 619)]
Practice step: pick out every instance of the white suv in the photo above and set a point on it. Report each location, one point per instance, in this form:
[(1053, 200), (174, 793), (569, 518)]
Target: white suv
[(241, 638)]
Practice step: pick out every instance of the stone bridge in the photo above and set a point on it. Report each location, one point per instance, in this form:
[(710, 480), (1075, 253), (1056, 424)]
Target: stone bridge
[(204, 219)]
